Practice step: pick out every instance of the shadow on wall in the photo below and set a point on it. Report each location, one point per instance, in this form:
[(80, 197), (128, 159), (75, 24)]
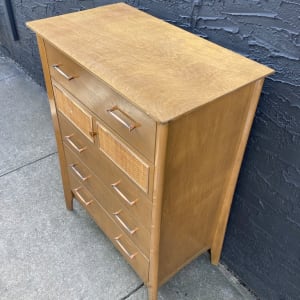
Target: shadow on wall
[(262, 244)]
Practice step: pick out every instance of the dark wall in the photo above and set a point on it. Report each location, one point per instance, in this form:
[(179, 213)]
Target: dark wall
[(262, 244)]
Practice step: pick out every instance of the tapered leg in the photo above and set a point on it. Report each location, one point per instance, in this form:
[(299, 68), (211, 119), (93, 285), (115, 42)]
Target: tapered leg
[(69, 200), (152, 292), (215, 255)]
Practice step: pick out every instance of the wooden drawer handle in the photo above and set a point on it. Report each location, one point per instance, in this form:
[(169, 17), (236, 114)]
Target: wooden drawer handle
[(124, 225), (129, 126), (78, 149), (117, 239), (77, 172), (76, 192), (115, 187), (57, 68)]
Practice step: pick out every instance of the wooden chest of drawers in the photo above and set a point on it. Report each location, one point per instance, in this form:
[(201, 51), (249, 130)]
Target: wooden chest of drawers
[(151, 125)]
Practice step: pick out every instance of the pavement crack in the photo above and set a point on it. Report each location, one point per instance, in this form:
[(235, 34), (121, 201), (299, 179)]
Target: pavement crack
[(132, 292), (27, 164)]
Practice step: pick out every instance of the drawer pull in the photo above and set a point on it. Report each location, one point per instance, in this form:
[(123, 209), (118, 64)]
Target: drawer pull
[(130, 231), (129, 126), (57, 68), (76, 192), (68, 138), (117, 239), (77, 172), (115, 187)]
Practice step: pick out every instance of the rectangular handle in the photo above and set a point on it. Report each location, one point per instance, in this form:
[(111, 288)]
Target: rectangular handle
[(69, 140), (117, 239), (130, 126), (57, 68), (124, 225), (77, 172), (115, 187), (80, 197)]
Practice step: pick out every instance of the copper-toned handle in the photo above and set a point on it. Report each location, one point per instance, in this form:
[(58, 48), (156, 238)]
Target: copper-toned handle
[(115, 187), (117, 239), (76, 192), (69, 140), (130, 126), (57, 68), (125, 226), (77, 172)]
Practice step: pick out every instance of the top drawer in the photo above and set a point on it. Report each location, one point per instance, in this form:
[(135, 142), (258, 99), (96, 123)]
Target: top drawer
[(134, 126)]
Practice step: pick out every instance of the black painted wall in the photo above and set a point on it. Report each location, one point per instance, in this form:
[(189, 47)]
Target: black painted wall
[(262, 244)]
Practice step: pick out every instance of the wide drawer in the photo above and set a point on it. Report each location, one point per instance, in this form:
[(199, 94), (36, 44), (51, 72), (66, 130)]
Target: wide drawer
[(127, 248), (137, 231), (133, 125), (101, 165)]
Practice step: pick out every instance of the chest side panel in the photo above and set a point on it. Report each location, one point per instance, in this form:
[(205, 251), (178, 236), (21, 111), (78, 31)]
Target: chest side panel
[(201, 151)]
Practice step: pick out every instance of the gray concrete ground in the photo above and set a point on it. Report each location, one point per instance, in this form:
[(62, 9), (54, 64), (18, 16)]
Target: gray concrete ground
[(47, 252)]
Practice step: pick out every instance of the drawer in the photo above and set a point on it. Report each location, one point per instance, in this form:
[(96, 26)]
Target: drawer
[(133, 125), (133, 166), (74, 112), (139, 209), (127, 248), (101, 165), (136, 231)]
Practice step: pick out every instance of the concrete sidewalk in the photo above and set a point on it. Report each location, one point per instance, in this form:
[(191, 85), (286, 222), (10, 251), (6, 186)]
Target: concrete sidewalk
[(47, 252)]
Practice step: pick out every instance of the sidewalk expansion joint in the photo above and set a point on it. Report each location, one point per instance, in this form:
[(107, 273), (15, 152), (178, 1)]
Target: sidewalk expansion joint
[(132, 292), (28, 164)]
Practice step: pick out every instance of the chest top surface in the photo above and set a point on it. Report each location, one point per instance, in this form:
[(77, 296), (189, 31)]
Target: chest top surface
[(161, 69)]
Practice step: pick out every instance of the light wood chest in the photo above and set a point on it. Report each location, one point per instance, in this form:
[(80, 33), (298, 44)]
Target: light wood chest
[(151, 125)]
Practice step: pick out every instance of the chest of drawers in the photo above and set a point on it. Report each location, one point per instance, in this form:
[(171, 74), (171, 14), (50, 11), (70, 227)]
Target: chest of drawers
[(151, 125)]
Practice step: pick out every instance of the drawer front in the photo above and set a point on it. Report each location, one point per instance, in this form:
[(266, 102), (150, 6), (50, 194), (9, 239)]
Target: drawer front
[(139, 209), (130, 123), (102, 166), (125, 159), (74, 112), (135, 230), (127, 248)]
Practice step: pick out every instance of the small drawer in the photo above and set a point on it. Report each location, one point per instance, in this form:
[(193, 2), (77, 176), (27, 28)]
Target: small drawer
[(127, 248), (133, 125), (74, 112), (139, 233), (133, 166), (139, 209), (101, 165)]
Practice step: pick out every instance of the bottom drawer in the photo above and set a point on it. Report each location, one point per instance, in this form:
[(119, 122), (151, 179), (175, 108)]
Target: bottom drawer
[(127, 248)]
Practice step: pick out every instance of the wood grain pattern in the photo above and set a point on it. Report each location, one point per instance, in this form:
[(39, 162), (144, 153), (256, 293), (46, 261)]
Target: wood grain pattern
[(196, 172), (125, 159), (98, 97), (61, 154), (139, 262), (195, 71)]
